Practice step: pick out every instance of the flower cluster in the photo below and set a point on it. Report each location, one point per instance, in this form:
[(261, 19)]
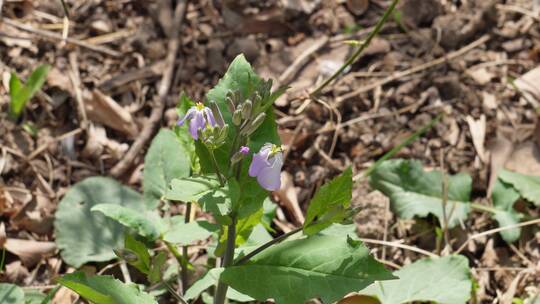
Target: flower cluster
[(207, 125)]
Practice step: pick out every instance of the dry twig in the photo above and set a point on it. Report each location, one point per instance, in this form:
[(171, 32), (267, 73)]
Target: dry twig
[(416, 69)]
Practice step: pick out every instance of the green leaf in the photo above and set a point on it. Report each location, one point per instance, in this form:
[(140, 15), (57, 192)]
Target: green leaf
[(187, 233), (191, 189), (210, 279), (131, 218), (415, 192), (166, 159), (33, 296), (156, 267), (504, 196), (329, 203), (142, 261), (11, 294), (84, 236), (105, 289), (442, 280), (527, 185), (292, 272), (21, 94)]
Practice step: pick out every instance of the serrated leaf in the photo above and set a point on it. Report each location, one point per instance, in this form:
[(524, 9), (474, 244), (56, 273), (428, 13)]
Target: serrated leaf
[(84, 236), (210, 279), (527, 185), (187, 233), (445, 280), (329, 203), (292, 272), (23, 93), (11, 294), (166, 159), (131, 218), (415, 192), (504, 196), (105, 289)]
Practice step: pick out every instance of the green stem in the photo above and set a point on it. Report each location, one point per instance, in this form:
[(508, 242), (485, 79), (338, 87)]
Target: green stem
[(259, 249), (396, 149), (228, 257), (216, 167), (483, 208), (184, 273), (177, 255), (360, 49)]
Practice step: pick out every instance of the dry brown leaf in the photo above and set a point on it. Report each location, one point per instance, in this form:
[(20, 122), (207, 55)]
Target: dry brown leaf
[(500, 150), (16, 272), (478, 133), (481, 76), (59, 79), (65, 295), (358, 7), (3, 235), (489, 101), (29, 251), (288, 197), (528, 86), (525, 159), (103, 109)]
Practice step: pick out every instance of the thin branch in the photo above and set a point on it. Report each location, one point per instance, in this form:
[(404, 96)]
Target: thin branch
[(416, 69), (54, 36), (261, 248), (492, 231), (359, 51), (398, 245)]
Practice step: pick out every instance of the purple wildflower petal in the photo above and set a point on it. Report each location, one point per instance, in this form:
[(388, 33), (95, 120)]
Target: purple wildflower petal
[(210, 117), (188, 115), (270, 177), (260, 160), (196, 123)]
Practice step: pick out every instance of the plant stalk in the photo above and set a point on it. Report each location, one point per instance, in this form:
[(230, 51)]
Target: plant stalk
[(216, 167), (185, 264), (359, 51), (259, 249), (221, 290)]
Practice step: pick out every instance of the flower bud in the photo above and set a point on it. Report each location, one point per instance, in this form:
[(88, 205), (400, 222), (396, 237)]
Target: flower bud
[(246, 109), (217, 113), (255, 124), (237, 117), (230, 104)]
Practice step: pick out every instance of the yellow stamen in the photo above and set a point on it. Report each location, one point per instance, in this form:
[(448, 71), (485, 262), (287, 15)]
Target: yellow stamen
[(200, 106)]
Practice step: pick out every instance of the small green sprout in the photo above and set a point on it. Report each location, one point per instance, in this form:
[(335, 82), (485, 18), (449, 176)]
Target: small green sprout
[(20, 93)]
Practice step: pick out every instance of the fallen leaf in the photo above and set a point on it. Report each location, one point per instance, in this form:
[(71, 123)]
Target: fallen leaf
[(525, 159), (103, 109), (478, 133), (289, 198), (358, 7), (481, 76), (489, 101), (527, 85), (29, 251), (500, 150)]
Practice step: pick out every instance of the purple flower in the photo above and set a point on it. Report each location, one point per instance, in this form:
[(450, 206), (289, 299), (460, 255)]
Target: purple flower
[(266, 166), (200, 118), (244, 150)]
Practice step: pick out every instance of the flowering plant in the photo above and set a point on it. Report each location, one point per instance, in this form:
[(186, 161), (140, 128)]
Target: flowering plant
[(224, 158)]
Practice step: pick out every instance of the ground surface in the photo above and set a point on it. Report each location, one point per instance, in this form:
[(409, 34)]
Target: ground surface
[(456, 57)]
